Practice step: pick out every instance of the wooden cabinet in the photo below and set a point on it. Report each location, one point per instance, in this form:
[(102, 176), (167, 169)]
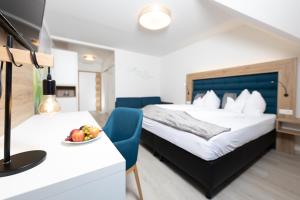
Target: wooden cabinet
[(287, 129)]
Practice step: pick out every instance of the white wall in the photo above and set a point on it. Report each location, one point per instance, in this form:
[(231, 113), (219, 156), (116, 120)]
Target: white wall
[(243, 45), (45, 39), (136, 74), (279, 14)]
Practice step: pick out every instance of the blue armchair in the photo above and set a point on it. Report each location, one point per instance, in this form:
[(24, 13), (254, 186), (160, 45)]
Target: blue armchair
[(124, 129)]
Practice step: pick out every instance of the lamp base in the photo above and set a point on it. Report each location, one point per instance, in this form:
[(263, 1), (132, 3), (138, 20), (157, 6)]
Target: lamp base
[(21, 162)]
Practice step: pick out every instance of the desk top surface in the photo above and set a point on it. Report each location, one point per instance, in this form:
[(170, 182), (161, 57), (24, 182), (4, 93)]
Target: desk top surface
[(64, 161)]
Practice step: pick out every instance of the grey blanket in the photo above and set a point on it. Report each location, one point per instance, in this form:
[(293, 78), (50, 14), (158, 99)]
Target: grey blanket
[(183, 121)]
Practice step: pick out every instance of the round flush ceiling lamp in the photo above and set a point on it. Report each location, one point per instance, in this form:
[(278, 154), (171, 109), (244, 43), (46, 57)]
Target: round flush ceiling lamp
[(89, 57), (155, 17)]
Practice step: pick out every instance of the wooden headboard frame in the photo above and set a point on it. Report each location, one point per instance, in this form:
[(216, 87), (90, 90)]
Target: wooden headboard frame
[(287, 74)]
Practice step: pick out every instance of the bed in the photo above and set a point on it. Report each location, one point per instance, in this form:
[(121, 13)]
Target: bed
[(216, 162)]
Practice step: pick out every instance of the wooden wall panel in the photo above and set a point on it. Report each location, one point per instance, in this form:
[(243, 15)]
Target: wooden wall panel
[(22, 91), (98, 91), (22, 56), (287, 74)]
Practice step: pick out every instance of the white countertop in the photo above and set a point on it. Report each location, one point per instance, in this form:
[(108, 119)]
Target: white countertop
[(63, 162)]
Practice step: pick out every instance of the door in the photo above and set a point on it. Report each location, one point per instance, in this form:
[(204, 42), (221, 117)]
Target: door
[(87, 91)]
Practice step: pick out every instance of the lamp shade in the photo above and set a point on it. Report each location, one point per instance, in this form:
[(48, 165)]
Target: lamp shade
[(49, 103), (155, 17)]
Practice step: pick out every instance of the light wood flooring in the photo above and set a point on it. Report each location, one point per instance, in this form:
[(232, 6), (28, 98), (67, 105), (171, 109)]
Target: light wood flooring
[(100, 117), (276, 176)]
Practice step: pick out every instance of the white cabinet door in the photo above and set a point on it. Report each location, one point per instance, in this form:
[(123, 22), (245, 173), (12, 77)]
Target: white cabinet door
[(65, 73), (87, 91), (68, 104), (65, 69)]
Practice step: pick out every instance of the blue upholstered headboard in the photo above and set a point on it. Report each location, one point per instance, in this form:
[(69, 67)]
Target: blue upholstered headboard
[(266, 84)]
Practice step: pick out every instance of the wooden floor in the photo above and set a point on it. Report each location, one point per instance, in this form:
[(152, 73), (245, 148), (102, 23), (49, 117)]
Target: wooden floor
[(100, 117), (276, 176)]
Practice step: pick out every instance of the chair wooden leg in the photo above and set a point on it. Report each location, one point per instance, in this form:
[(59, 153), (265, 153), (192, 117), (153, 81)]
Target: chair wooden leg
[(137, 179), (130, 170)]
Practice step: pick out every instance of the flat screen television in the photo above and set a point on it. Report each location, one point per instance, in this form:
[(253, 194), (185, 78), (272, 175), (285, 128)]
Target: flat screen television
[(23, 19)]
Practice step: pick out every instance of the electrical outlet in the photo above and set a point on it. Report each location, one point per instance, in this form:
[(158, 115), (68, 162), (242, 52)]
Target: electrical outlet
[(285, 112)]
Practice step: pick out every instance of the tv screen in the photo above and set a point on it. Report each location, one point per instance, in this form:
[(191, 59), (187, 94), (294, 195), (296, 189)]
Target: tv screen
[(26, 16)]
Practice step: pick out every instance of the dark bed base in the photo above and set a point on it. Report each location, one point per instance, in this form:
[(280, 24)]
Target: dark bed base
[(214, 175)]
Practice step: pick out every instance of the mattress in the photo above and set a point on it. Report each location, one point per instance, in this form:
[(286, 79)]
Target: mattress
[(244, 128)]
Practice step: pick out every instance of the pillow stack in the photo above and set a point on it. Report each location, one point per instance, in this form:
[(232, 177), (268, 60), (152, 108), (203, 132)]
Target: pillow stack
[(210, 100), (237, 105), (250, 104), (255, 105)]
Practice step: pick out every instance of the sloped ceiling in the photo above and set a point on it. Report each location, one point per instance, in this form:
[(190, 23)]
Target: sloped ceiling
[(278, 16)]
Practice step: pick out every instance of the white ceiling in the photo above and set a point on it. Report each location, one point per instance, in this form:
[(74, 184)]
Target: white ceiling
[(114, 23)]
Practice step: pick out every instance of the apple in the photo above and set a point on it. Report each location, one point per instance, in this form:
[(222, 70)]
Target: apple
[(77, 135), (94, 132)]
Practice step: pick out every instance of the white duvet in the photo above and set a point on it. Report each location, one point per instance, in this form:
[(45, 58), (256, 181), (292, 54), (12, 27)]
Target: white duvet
[(243, 129)]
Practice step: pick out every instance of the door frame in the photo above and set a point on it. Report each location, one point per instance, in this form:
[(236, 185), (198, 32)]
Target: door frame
[(98, 91)]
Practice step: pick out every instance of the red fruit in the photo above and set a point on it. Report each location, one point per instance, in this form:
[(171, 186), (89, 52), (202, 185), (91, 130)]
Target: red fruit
[(77, 135), (73, 131), (68, 139)]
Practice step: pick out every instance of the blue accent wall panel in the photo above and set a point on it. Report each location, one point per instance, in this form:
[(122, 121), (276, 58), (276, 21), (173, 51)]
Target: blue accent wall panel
[(266, 84)]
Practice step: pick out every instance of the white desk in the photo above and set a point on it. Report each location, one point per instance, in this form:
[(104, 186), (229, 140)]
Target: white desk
[(94, 170)]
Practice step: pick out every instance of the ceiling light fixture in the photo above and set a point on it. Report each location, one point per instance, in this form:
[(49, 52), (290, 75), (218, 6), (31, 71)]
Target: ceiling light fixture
[(89, 57), (155, 17)]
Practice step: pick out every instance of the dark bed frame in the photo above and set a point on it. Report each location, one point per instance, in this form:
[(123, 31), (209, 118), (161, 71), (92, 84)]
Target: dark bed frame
[(214, 175)]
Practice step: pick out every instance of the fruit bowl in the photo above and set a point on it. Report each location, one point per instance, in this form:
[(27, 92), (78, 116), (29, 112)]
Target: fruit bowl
[(83, 142), (83, 135)]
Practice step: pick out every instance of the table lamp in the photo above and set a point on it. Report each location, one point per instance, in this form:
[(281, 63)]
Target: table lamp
[(19, 162)]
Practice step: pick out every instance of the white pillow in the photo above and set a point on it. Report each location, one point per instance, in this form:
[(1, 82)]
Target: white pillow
[(255, 105), (229, 103), (212, 101), (237, 105), (245, 94), (200, 100)]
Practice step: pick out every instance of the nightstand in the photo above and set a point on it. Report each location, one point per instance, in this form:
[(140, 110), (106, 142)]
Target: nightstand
[(287, 129)]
